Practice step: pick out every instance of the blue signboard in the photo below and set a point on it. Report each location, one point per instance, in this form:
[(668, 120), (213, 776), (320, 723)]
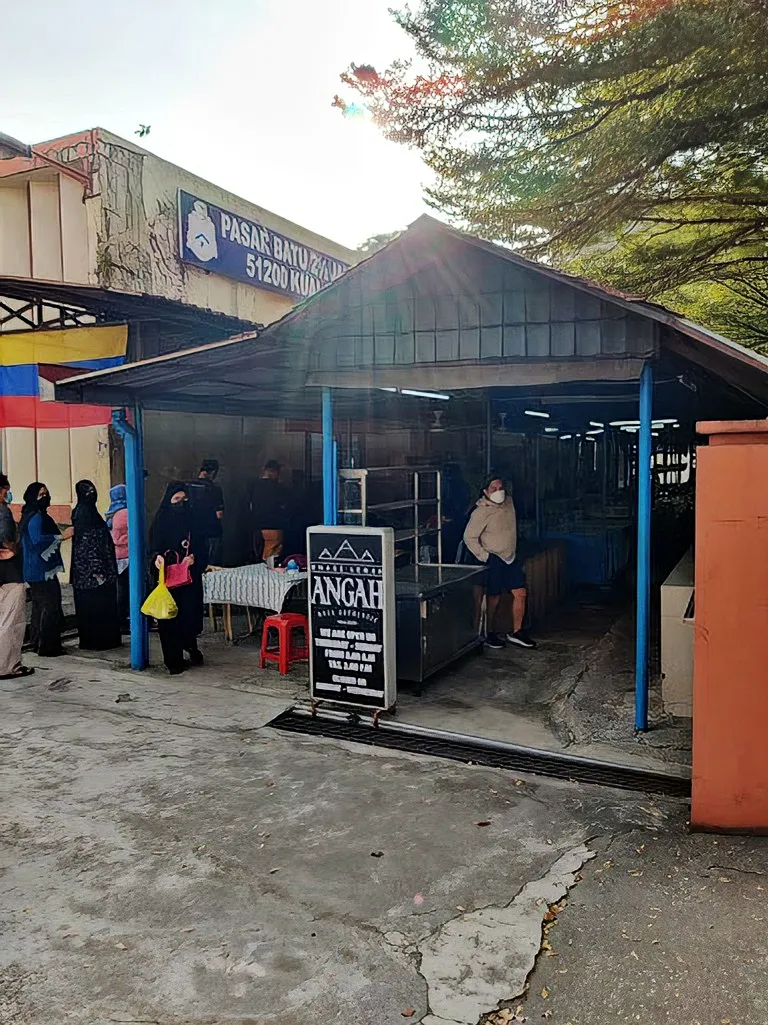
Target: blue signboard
[(225, 243)]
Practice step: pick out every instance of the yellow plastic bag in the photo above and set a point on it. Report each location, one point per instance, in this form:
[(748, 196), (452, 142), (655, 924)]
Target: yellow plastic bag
[(160, 604)]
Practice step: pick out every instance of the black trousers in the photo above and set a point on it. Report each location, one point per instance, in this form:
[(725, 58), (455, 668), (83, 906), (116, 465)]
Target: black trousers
[(180, 634), (98, 621), (123, 599), (47, 617)]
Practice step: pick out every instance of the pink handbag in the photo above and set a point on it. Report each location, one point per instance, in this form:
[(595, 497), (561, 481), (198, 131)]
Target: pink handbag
[(177, 574)]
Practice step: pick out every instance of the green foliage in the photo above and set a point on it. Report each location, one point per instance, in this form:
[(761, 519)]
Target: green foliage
[(628, 139), (376, 242)]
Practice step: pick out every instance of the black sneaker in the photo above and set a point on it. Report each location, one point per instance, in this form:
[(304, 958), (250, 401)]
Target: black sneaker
[(494, 641), (521, 639)]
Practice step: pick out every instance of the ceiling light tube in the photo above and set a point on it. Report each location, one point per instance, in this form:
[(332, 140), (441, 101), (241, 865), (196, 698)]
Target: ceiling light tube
[(424, 394), (536, 412)]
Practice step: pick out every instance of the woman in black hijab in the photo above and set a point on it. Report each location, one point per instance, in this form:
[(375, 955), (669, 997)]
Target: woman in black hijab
[(176, 535), (94, 574), (40, 543)]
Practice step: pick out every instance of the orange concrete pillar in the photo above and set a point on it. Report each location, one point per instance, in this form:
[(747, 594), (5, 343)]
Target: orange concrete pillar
[(730, 689)]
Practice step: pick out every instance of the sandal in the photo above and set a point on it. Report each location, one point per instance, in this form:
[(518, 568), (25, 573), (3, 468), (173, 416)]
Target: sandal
[(19, 672)]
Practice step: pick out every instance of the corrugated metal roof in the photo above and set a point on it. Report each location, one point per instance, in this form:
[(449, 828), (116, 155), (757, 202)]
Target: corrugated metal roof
[(119, 305), (267, 360)]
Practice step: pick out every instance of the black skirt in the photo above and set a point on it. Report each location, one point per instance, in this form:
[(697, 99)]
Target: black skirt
[(98, 620)]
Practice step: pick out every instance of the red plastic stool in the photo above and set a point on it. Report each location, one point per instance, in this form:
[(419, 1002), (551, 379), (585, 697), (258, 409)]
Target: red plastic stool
[(287, 650)]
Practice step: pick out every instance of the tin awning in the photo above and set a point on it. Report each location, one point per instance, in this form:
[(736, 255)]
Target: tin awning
[(438, 309)]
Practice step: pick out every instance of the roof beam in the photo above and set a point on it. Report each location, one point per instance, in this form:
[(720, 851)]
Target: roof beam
[(488, 374)]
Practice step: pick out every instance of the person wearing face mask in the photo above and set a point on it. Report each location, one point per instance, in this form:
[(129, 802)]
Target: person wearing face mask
[(40, 544), (116, 518), (176, 535), (491, 536), (12, 597), (93, 574), (7, 522)]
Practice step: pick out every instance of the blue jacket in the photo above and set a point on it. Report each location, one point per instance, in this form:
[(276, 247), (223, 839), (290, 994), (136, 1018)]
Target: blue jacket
[(42, 558)]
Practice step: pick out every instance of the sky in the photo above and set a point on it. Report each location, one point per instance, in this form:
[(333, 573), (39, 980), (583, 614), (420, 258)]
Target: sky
[(236, 91)]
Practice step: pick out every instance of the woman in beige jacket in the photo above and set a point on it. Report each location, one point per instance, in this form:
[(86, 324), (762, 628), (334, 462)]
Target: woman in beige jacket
[(491, 536)]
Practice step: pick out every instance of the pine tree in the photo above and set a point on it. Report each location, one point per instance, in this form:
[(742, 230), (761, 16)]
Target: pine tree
[(628, 139)]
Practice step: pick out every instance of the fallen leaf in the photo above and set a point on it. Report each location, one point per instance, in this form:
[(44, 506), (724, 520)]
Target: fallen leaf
[(190, 929), (121, 946), (723, 879), (418, 899), (408, 1012), (545, 993), (519, 782), (377, 854), (459, 907), (273, 870), (124, 697), (484, 823), (635, 872), (494, 792), (546, 945)]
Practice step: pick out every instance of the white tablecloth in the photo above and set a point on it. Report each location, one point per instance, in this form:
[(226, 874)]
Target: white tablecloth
[(258, 587)]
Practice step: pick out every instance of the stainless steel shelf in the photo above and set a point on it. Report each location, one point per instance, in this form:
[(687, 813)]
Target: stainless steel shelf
[(406, 503), (360, 477)]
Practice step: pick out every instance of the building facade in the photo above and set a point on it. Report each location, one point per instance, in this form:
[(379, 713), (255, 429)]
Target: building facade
[(96, 211)]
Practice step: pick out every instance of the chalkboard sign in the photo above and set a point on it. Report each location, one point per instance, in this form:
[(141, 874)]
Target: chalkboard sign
[(352, 615)]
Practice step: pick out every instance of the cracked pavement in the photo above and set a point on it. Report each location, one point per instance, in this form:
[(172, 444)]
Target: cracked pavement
[(172, 860)]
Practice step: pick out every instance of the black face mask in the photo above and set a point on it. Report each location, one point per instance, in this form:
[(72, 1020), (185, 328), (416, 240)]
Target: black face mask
[(44, 502), (176, 506)]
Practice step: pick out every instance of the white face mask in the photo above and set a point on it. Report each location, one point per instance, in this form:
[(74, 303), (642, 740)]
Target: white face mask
[(498, 496)]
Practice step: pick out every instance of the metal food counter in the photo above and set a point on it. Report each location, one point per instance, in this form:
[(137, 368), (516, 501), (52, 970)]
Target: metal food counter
[(437, 617)]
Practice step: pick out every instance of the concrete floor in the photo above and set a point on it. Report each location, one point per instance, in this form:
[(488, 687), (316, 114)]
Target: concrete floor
[(575, 692), (167, 859)]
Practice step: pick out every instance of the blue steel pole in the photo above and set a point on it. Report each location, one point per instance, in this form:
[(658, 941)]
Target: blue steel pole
[(643, 548), (134, 486), (329, 483), (138, 419), (335, 483)]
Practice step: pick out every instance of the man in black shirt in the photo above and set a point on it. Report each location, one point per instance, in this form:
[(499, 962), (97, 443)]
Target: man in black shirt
[(12, 596), (207, 501), (268, 511)]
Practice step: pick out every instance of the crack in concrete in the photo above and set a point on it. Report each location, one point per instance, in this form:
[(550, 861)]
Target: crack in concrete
[(126, 714), (479, 959), (741, 871)]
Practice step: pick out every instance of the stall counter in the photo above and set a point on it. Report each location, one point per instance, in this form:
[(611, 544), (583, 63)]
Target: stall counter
[(437, 617)]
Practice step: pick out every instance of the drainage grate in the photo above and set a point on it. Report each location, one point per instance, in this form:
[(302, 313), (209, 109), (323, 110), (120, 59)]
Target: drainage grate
[(481, 752)]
